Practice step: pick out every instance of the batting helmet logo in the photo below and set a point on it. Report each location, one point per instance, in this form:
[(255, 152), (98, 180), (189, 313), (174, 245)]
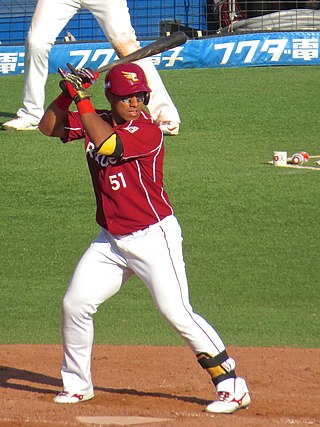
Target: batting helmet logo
[(130, 76)]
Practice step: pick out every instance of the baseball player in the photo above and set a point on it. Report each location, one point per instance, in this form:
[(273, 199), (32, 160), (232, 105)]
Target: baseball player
[(139, 231), (49, 18)]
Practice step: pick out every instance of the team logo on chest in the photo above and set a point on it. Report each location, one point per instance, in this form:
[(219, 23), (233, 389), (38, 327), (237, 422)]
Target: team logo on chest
[(131, 129)]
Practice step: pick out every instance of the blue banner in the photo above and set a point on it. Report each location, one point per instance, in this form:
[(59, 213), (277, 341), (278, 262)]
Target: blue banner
[(258, 49)]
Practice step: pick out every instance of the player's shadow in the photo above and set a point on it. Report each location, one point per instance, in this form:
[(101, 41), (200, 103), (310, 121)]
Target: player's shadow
[(133, 392), (20, 379)]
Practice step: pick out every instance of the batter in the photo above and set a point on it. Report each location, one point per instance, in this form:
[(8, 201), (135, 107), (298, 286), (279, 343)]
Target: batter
[(139, 232)]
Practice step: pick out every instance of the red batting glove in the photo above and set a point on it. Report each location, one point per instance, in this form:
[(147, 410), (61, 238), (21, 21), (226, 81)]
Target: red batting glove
[(72, 86), (87, 75)]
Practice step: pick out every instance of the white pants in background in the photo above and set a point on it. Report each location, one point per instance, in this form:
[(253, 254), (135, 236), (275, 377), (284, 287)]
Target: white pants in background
[(154, 255), (49, 19)]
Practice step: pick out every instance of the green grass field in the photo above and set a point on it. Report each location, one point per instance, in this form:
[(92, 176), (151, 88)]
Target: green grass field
[(251, 237)]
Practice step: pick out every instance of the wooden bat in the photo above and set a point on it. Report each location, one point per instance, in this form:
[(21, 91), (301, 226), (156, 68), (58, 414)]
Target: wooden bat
[(161, 45)]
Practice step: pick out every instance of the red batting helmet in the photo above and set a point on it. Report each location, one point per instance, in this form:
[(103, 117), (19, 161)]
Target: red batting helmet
[(125, 79)]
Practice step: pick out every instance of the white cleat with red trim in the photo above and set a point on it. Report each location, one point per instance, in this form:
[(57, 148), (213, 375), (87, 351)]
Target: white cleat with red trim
[(66, 397), (21, 123), (230, 401)]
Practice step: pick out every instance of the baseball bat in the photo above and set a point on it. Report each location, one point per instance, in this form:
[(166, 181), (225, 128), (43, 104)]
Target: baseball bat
[(160, 45)]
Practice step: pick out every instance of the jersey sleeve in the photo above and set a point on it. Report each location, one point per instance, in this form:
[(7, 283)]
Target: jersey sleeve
[(73, 127)]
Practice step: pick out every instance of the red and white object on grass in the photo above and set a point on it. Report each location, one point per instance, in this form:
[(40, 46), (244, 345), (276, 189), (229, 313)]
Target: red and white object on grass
[(300, 158)]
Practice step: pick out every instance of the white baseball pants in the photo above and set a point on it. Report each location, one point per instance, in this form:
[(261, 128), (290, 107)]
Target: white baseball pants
[(49, 19), (155, 255)]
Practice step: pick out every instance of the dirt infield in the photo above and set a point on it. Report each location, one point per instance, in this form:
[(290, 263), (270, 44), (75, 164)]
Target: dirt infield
[(158, 387)]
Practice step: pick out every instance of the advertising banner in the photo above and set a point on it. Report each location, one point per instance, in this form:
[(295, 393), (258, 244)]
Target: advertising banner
[(258, 49)]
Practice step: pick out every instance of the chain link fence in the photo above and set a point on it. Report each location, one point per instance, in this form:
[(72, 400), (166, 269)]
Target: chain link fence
[(153, 18)]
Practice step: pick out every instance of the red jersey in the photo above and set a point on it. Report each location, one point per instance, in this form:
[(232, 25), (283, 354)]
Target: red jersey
[(129, 191)]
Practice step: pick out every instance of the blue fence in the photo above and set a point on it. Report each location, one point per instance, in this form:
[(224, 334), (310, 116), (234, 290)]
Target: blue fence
[(153, 18), (149, 18)]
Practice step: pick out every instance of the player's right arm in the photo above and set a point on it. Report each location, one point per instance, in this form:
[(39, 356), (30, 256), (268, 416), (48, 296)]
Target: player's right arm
[(52, 122)]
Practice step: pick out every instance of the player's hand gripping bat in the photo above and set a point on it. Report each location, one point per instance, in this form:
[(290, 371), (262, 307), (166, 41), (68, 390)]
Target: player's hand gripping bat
[(161, 45)]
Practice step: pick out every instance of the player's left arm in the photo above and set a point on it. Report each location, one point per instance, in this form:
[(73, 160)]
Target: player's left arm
[(112, 146), (102, 135)]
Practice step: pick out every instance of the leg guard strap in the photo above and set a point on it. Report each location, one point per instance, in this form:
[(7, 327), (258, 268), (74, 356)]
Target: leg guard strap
[(214, 366)]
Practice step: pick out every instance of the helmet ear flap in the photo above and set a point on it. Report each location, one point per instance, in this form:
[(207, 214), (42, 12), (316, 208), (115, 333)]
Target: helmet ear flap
[(146, 98)]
